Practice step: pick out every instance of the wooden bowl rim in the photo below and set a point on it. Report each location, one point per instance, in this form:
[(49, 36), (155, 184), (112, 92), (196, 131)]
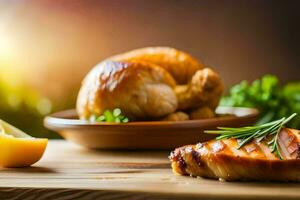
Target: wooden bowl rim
[(65, 119)]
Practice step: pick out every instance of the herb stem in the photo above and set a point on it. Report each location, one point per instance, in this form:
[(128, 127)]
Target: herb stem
[(247, 134)]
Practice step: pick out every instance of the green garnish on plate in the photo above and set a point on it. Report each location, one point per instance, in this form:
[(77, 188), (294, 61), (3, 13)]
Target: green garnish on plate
[(272, 99), (112, 116), (246, 134)]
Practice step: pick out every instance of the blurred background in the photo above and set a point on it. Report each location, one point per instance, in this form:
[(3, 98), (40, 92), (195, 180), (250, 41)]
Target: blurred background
[(47, 47)]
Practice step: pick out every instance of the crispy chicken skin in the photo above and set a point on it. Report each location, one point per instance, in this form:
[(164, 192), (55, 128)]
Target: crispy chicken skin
[(254, 161), (197, 86), (179, 64), (140, 90), (204, 89), (149, 84)]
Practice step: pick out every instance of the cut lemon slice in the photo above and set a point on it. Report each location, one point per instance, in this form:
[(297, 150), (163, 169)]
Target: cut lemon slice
[(17, 149)]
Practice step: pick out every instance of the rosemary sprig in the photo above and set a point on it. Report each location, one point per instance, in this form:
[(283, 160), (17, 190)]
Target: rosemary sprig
[(258, 132)]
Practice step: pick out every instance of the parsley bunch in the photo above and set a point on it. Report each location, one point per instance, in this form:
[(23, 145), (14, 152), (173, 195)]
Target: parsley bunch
[(112, 116), (269, 97)]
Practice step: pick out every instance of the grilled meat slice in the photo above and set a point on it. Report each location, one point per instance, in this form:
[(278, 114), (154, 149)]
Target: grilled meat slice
[(220, 159)]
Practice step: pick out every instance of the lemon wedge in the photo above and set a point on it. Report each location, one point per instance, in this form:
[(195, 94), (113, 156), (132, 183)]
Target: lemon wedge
[(18, 149)]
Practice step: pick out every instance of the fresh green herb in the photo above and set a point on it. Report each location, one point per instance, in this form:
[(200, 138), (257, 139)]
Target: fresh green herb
[(112, 116), (268, 131), (266, 94)]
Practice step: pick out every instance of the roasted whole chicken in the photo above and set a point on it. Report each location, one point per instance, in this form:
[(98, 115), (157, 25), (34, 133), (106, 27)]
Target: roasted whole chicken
[(155, 83), (221, 159)]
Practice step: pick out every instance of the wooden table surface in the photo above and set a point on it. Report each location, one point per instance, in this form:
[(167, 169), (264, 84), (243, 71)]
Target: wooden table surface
[(71, 172)]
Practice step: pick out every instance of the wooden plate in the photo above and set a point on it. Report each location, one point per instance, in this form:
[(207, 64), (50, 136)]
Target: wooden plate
[(144, 135)]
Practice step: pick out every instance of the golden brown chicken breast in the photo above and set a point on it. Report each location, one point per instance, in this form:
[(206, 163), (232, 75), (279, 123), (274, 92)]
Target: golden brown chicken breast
[(221, 159), (141, 90)]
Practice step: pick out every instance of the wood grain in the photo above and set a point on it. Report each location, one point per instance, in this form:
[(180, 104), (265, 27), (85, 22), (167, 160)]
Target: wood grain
[(71, 172)]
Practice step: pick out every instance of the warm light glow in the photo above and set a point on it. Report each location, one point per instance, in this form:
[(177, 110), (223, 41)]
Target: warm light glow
[(5, 45), (8, 74)]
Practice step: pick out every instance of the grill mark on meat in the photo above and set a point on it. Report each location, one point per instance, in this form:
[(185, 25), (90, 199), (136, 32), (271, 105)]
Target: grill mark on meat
[(249, 148), (290, 140), (228, 147), (259, 151), (287, 144), (232, 148), (177, 156), (182, 164), (292, 148), (197, 157), (298, 151), (223, 160), (266, 150), (281, 143)]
